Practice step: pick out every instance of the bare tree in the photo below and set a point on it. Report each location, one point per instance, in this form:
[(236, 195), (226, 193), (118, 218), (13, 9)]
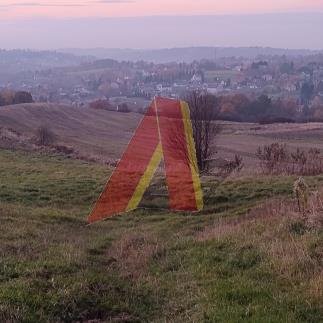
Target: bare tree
[(44, 136), (204, 111), (203, 114)]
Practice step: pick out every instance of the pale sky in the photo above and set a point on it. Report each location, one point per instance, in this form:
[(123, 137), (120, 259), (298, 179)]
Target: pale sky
[(10, 9), (51, 24)]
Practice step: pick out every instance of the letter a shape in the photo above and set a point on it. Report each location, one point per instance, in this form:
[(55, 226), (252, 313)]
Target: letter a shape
[(164, 132)]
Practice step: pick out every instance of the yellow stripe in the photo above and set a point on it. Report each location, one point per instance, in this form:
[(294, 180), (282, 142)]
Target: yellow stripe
[(145, 179), (192, 155)]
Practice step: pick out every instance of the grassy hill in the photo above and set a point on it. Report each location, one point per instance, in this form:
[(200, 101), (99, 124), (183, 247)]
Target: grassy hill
[(92, 132), (104, 135), (248, 257)]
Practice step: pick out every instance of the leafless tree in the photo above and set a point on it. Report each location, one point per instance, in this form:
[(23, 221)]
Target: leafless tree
[(44, 136), (203, 112), (204, 109)]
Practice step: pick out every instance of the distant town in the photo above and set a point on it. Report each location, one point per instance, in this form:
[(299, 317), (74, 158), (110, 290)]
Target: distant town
[(130, 85)]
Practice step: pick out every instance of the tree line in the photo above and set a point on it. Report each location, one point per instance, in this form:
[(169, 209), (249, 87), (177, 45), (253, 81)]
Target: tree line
[(263, 109), (207, 109), (9, 97)]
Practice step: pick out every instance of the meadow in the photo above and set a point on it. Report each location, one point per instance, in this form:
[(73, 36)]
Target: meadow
[(247, 257), (103, 135)]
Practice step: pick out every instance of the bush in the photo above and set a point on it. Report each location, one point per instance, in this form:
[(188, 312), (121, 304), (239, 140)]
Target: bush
[(9, 97), (275, 159), (123, 108), (44, 136), (101, 105), (231, 166), (272, 120), (22, 97)]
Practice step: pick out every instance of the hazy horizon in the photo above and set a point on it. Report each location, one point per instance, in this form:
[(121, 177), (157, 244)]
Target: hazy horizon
[(283, 30)]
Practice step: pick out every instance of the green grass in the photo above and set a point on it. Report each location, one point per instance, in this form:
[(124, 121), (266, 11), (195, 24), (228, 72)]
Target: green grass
[(148, 265)]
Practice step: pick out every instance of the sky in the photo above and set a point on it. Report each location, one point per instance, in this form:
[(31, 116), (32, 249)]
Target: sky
[(21, 9), (52, 24)]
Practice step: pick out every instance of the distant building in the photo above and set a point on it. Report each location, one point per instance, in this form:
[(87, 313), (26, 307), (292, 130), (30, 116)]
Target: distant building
[(267, 77), (197, 78)]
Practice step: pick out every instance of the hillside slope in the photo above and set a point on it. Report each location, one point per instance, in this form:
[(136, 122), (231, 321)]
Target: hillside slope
[(103, 135), (91, 132), (237, 261), (184, 54)]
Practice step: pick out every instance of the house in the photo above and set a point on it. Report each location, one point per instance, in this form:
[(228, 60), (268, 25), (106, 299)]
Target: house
[(197, 78), (290, 87), (267, 77), (159, 87)]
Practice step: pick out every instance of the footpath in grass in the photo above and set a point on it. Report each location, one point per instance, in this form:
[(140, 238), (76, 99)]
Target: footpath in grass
[(149, 265)]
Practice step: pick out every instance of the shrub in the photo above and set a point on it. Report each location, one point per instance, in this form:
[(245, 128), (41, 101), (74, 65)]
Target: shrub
[(301, 192), (22, 97), (9, 97), (44, 136), (231, 166), (272, 120), (64, 149), (275, 159), (101, 105), (123, 108)]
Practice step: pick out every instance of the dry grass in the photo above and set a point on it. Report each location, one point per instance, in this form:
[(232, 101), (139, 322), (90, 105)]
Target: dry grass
[(95, 133), (150, 265), (244, 139), (132, 253), (281, 209), (265, 212), (101, 135), (291, 243), (315, 287)]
